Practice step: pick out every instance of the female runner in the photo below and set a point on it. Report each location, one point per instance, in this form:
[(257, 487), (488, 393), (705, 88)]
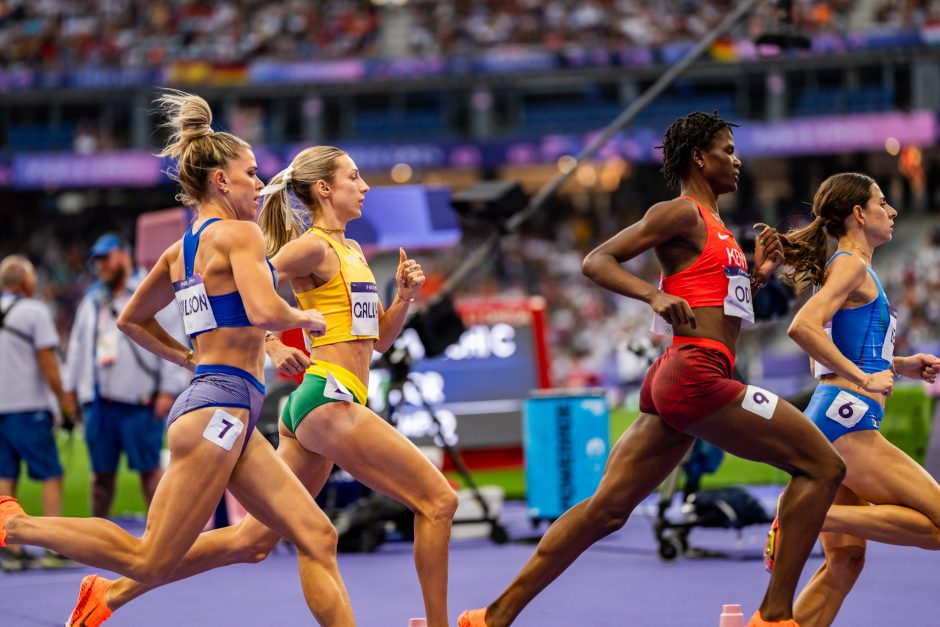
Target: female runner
[(688, 393), (325, 420), (847, 327), (224, 286)]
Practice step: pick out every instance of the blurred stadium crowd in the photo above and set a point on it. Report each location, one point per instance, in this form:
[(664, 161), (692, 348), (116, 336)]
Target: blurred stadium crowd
[(142, 33), (595, 338)]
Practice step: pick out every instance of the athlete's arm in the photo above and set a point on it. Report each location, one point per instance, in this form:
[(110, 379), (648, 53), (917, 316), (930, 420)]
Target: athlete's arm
[(244, 244), (138, 320), (919, 366), (287, 359), (408, 283), (846, 274), (299, 257), (664, 222)]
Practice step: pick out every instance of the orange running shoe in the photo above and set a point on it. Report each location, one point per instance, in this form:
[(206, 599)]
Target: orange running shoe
[(773, 540), (92, 608), (758, 621), (472, 618), (9, 507)]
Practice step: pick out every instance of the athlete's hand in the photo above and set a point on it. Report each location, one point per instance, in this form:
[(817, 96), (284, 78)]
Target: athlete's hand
[(288, 360), (672, 309), (314, 322), (919, 366), (880, 383), (768, 254), (409, 277)]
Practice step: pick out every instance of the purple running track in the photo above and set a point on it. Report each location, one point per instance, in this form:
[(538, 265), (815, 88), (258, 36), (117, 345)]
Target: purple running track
[(620, 581)]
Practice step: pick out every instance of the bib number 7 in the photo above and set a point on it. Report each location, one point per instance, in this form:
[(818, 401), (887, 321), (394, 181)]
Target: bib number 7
[(223, 429)]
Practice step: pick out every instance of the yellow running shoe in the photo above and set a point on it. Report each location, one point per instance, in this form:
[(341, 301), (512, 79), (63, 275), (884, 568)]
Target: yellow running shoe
[(92, 608), (773, 540), (472, 618), (9, 507), (758, 621)]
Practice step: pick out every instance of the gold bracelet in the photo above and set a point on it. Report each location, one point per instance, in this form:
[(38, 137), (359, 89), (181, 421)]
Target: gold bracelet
[(861, 386), (405, 300), (189, 358), (269, 336)]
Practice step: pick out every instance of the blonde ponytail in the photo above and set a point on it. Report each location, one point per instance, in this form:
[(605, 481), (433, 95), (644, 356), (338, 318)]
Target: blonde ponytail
[(281, 220), (193, 145), (278, 220)]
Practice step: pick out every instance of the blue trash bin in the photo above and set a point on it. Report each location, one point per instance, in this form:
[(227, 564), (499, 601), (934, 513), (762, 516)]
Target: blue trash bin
[(566, 438)]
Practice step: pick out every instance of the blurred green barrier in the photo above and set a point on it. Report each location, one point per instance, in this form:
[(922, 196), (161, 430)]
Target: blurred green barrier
[(907, 420)]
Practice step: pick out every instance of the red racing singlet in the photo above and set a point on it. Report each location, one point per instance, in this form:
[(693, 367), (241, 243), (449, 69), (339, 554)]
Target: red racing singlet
[(718, 278)]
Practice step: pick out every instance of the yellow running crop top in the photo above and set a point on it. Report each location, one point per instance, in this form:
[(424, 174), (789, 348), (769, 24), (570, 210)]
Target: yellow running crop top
[(349, 301)]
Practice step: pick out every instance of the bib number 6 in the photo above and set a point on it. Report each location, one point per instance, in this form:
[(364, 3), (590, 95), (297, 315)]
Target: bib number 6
[(846, 409)]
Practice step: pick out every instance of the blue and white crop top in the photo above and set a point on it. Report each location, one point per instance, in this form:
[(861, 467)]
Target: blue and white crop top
[(865, 334), (200, 311)]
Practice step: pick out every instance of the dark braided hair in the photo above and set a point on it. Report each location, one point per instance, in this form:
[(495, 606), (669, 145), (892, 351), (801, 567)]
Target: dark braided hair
[(696, 130)]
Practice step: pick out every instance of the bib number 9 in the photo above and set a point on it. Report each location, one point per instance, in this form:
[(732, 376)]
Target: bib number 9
[(760, 401)]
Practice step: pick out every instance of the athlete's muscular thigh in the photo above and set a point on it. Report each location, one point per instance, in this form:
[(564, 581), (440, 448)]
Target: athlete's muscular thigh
[(760, 426), (882, 473)]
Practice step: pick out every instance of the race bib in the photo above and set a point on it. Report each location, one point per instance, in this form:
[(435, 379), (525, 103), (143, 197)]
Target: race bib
[(365, 309), (659, 325), (760, 401), (738, 301), (336, 390), (887, 349), (223, 429), (819, 369), (194, 305), (846, 409)]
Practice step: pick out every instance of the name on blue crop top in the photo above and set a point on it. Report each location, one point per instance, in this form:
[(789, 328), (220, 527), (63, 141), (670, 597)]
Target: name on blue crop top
[(864, 334), (228, 309)]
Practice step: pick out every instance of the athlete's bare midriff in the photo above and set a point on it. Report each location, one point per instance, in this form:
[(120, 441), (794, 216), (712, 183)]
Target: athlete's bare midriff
[(845, 384), (355, 356), (712, 323)]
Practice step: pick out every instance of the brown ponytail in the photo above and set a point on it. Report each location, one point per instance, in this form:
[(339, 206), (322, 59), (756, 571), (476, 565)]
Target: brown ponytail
[(806, 249)]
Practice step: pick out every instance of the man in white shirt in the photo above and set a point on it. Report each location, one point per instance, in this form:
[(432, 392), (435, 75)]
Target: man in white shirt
[(125, 392), (31, 390)]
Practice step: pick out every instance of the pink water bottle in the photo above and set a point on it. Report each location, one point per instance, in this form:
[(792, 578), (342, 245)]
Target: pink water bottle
[(423, 622), (731, 616)]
